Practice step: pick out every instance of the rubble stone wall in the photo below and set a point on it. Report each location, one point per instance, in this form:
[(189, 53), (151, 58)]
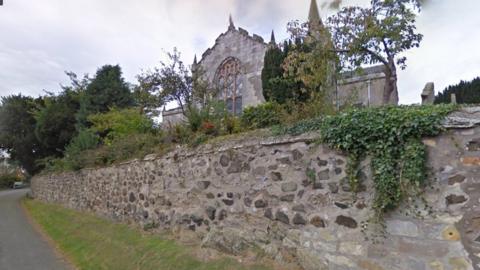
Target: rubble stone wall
[(289, 198)]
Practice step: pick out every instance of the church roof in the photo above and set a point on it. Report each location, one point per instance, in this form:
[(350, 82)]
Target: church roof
[(233, 29), (314, 14)]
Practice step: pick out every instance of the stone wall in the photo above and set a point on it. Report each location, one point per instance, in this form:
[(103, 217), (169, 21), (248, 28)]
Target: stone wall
[(289, 198)]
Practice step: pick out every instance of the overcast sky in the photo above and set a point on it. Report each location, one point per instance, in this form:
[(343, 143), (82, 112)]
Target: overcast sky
[(40, 39)]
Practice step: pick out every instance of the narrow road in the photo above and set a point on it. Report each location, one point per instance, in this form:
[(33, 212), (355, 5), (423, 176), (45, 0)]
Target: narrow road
[(21, 247)]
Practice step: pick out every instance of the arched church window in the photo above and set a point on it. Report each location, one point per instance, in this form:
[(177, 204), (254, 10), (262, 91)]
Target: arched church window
[(229, 79)]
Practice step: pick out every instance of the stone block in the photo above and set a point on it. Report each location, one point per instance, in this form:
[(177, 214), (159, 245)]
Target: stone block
[(261, 203), (211, 212), (423, 248), (224, 160), (351, 248), (474, 145), (402, 228), (369, 265), (471, 161), (289, 187), (276, 176), (282, 217), (455, 199), (346, 222), (287, 198), (298, 219), (299, 208), (323, 175), (456, 179), (317, 222), (203, 185)]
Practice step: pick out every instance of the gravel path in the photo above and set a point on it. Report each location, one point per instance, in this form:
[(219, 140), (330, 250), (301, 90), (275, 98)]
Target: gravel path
[(21, 246)]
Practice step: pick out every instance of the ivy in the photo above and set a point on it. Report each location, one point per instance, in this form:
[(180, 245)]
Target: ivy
[(391, 136)]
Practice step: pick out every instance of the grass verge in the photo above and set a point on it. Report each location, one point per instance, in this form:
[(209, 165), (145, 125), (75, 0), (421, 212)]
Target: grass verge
[(94, 243)]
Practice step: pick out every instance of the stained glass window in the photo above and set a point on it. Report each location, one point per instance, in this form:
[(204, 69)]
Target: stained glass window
[(229, 80)]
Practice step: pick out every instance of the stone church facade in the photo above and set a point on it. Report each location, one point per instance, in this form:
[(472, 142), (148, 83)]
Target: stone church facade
[(235, 63)]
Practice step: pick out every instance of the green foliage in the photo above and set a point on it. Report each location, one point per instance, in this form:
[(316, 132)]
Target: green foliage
[(7, 180), (17, 131), (272, 73), (172, 82), (136, 145), (120, 123), (465, 92), (261, 116), (56, 121), (86, 152), (208, 119), (301, 127), (107, 89), (179, 134), (380, 33), (311, 62), (285, 89), (391, 136), (74, 158)]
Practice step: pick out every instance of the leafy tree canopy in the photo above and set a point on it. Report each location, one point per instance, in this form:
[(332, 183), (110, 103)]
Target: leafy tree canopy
[(107, 89), (379, 33), (17, 131), (171, 82), (56, 120)]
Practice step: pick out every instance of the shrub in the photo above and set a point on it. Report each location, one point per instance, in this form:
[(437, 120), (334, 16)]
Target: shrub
[(178, 133), (232, 124), (7, 180), (133, 146), (211, 115), (74, 158), (120, 123), (262, 116)]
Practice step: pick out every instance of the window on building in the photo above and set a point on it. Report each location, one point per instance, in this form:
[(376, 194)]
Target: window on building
[(229, 80)]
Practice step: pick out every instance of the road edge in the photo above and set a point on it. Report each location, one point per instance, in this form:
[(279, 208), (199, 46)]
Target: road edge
[(59, 254)]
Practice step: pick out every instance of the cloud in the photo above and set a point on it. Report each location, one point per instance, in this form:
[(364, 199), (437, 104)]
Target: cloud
[(41, 39)]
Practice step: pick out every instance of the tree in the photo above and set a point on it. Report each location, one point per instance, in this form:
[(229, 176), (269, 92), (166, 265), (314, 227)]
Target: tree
[(377, 34), (79, 86), (465, 92), (107, 89), (147, 102), (17, 131), (272, 68), (56, 121), (311, 61), (173, 82)]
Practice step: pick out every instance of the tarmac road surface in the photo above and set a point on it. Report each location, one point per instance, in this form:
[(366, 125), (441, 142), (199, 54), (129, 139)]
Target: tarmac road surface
[(21, 246)]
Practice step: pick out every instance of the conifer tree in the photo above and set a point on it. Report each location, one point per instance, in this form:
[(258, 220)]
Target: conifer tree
[(465, 92)]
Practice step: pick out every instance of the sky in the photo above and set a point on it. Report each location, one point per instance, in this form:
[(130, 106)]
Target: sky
[(40, 40)]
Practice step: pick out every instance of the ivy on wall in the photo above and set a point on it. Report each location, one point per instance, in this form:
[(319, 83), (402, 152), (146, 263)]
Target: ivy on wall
[(391, 136)]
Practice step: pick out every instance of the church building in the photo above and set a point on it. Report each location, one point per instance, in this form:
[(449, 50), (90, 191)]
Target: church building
[(235, 63)]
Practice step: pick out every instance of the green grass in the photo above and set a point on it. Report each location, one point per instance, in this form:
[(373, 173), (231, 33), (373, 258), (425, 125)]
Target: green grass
[(93, 243)]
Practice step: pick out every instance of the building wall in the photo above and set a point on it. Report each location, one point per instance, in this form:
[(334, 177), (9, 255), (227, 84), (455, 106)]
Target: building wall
[(366, 90), (250, 50), (289, 198), (172, 117)]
